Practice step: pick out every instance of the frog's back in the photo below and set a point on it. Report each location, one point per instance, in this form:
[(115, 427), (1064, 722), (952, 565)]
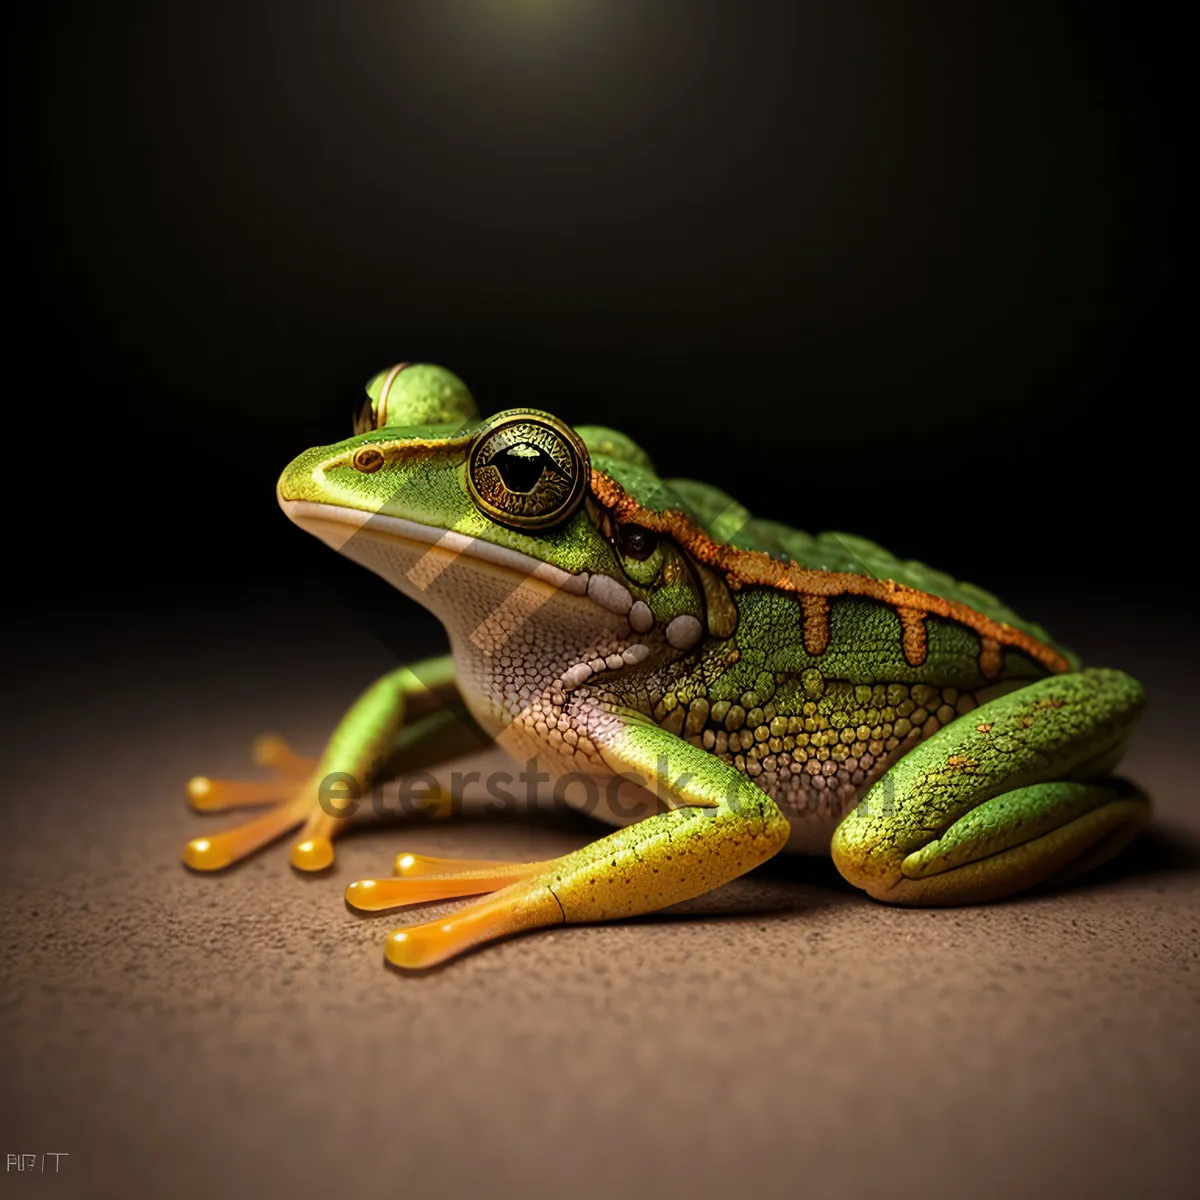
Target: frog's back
[(848, 555), (842, 597)]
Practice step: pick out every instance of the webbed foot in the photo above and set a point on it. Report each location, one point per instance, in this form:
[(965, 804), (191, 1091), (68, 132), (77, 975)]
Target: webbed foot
[(293, 796)]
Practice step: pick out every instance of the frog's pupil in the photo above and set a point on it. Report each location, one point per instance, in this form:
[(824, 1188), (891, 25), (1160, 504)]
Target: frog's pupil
[(636, 542), (520, 467)]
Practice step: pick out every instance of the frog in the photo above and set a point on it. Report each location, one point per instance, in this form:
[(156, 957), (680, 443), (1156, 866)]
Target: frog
[(758, 688)]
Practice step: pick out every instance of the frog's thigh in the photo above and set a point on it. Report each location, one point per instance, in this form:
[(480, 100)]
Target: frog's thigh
[(721, 826), (1004, 798), (362, 740)]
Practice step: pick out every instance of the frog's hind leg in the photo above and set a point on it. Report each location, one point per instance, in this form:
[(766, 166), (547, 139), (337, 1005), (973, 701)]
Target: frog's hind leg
[(377, 732), (1007, 797)]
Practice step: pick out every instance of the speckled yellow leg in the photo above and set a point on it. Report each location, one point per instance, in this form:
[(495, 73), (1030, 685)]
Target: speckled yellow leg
[(720, 827), (360, 746)]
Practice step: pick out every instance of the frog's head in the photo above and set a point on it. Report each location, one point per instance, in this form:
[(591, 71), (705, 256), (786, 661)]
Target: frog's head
[(504, 528)]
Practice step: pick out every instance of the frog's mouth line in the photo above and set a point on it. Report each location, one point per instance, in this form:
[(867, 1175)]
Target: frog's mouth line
[(335, 525)]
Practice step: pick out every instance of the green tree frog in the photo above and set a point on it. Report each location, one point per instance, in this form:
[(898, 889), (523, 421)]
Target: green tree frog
[(766, 689)]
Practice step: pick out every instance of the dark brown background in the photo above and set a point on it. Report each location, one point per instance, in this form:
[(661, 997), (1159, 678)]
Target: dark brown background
[(915, 270)]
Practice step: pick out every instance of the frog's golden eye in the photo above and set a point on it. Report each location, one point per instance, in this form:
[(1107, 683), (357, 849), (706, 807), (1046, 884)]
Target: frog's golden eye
[(527, 469)]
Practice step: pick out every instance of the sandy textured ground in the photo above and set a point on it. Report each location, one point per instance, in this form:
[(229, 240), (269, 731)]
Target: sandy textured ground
[(195, 1036)]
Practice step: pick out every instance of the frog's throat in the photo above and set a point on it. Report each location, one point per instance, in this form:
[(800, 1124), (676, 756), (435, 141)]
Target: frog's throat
[(335, 526)]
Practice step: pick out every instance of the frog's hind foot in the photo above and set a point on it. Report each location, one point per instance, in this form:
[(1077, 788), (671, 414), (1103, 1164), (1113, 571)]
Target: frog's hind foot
[(292, 793), (420, 879)]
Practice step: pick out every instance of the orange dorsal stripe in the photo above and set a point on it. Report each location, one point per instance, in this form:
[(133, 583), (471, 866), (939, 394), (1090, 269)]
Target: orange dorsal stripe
[(753, 568)]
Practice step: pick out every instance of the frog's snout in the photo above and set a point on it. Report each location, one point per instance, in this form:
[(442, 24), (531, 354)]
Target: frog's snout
[(302, 494), (302, 477)]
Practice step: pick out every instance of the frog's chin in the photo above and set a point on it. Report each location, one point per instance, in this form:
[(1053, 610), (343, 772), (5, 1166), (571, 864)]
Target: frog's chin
[(424, 549)]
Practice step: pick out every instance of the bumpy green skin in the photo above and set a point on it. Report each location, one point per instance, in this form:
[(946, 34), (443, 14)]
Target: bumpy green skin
[(944, 782)]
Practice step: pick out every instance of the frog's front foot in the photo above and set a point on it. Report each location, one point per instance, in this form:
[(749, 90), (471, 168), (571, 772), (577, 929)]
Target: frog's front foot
[(293, 794), (420, 879), (374, 732)]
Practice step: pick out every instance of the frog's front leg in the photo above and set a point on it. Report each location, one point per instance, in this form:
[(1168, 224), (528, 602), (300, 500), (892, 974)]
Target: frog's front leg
[(364, 740), (720, 826), (1011, 795)]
